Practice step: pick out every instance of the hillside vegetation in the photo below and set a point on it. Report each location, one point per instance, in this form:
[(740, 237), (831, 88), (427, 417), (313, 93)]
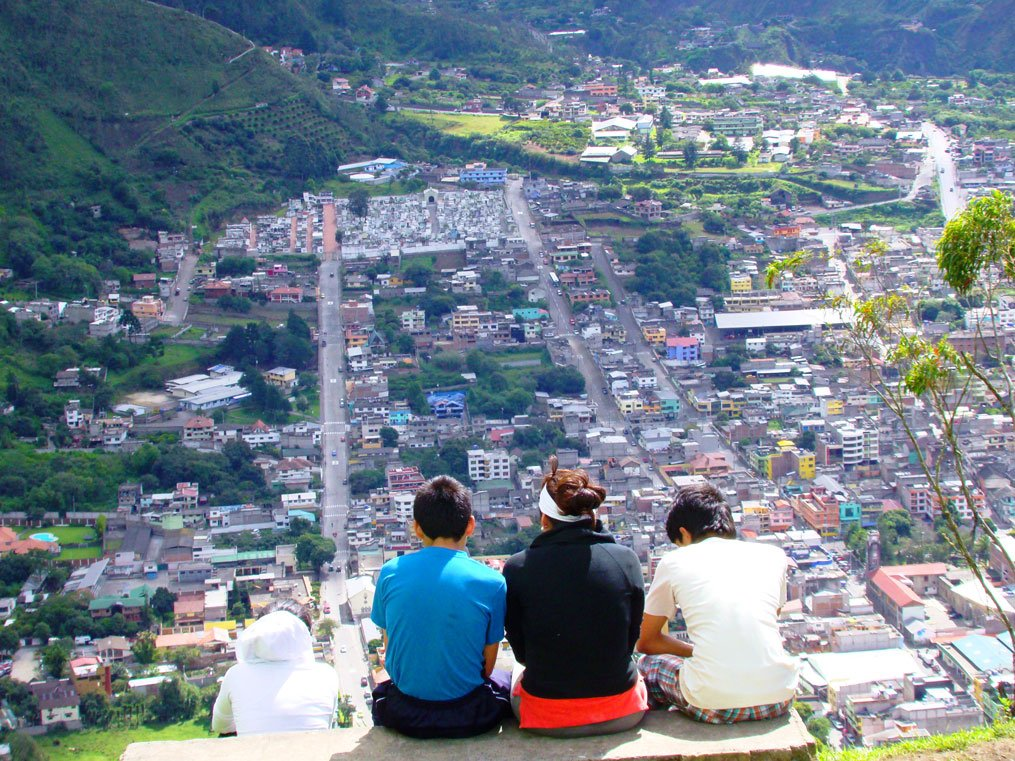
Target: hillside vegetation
[(350, 32), (937, 37), (146, 113)]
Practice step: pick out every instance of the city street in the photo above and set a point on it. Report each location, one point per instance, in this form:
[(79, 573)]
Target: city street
[(646, 355), (606, 409), (938, 149), (348, 653), (178, 303)]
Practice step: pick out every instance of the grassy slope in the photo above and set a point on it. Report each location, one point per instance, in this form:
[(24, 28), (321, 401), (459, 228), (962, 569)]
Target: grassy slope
[(925, 747), (124, 86), (107, 744)]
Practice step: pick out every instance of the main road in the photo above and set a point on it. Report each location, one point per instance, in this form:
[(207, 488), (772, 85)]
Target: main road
[(606, 408), (939, 151), (643, 351), (179, 299), (350, 662)]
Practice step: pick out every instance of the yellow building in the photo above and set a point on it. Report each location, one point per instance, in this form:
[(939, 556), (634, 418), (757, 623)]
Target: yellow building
[(654, 335), (148, 307), (465, 319), (282, 377), (355, 338), (732, 405), (832, 407), (806, 466), (630, 402), (741, 283)]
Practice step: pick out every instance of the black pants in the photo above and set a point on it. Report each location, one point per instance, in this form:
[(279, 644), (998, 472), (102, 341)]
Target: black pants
[(473, 714)]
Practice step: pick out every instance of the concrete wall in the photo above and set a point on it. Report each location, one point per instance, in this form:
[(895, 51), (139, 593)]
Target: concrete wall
[(660, 736)]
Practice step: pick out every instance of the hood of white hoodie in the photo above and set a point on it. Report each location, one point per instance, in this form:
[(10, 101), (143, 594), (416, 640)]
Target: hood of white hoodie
[(278, 636)]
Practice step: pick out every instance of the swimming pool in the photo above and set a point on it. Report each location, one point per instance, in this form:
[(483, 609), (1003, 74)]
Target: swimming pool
[(45, 536)]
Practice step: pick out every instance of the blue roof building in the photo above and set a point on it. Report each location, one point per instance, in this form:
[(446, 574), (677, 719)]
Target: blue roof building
[(446, 404)]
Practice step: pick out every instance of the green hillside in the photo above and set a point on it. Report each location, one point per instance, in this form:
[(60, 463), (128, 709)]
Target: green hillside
[(348, 31), (150, 113), (917, 36)]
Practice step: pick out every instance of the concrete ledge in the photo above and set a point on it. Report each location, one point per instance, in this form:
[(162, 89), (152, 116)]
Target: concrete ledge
[(661, 737)]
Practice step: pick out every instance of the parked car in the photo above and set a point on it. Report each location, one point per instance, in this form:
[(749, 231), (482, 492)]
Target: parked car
[(363, 682)]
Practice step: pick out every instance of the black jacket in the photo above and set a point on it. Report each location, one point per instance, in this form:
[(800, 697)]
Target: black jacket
[(574, 605)]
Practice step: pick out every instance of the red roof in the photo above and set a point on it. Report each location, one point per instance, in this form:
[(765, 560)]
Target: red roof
[(916, 569), (898, 592), (684, 341)]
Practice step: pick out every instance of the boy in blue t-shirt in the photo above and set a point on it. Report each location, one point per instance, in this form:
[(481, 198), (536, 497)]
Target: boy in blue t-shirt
[(442, 614)]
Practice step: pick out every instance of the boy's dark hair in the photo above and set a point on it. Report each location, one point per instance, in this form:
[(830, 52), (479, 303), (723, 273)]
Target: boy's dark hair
[(442, 508), (703, 511), (302, 612)]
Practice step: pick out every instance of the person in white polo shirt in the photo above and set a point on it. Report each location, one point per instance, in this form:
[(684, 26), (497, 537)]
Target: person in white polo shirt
[(729, 593)]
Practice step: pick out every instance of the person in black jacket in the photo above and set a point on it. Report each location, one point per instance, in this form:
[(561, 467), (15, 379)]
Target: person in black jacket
[(574, 609)]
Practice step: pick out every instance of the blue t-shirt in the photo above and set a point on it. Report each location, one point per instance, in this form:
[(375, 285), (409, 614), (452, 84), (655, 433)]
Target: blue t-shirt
[(440, 609)]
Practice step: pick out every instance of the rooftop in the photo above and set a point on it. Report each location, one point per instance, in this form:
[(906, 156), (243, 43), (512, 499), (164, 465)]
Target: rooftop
[(660, 736), (788, 318)]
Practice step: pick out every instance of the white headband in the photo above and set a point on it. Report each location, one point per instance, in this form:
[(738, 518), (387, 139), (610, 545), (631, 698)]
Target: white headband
[(549, 508)]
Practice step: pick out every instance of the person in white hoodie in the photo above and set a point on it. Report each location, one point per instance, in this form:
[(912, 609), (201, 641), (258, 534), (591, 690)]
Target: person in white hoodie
[(276, 685)]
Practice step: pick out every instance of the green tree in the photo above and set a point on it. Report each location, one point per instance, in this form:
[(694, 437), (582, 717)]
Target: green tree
[(24, 748), (9, 641), (186, 657), (162, 603), (313, 551), (95, 710), (690, 152), (362, 481), (54, 659), (819, 727), (803, 710), (359, 202), (807, 440), (326, 628), (176, 701), (42, 632), (389, 437), (665, 118), (144, 649), (12, 392)]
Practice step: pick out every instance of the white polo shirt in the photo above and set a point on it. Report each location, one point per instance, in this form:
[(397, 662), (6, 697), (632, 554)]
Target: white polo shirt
[(729, 593)]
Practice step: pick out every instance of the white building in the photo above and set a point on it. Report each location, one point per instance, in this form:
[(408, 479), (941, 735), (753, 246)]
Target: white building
[(859, 445), (651, 92), (483, 465), (414, 321)]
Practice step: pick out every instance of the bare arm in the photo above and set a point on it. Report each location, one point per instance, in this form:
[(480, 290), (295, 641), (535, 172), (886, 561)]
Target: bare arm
[(490, 658), (653, 640)]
